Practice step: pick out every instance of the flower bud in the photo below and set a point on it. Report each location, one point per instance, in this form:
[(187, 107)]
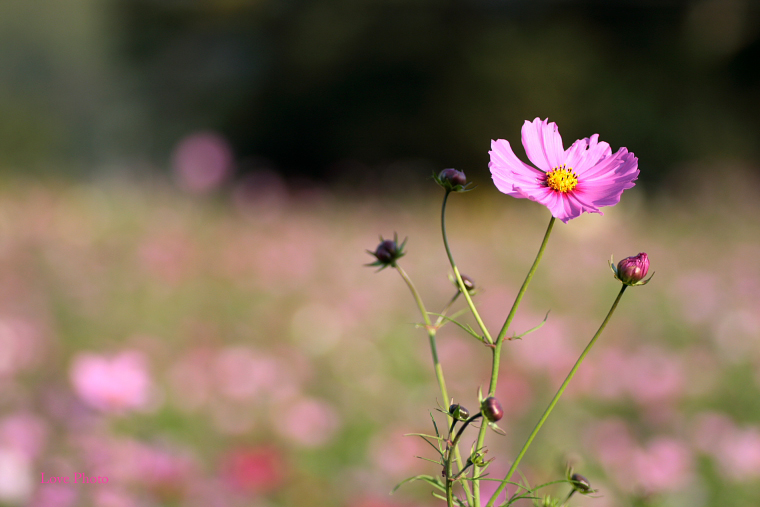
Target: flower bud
[(632, 270), (451, 180), (477, 459), (550, 501), (580, 484), (387, 252), (458, 412), (468, 283), (491, 409)]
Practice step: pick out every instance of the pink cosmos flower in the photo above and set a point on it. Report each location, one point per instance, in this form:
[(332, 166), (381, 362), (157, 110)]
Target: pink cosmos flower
[(582, 178), (116, 385)]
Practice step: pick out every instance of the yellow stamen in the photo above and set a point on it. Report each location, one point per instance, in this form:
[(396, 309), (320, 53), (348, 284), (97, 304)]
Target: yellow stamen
[(561, 179)]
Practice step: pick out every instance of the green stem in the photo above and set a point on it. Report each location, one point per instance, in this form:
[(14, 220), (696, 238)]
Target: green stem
[(555, 399), (440, 318), (414, 292), (449, 479), (460, 282), (434, 352), (496, 357), (524, 287)]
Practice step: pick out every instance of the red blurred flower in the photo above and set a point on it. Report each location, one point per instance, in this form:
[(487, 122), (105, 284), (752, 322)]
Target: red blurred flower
[(254, 470)]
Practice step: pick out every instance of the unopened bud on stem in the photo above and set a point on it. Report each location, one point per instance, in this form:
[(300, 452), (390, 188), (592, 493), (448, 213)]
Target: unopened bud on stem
[(458, 412), (632, 270), (580, 484), (452, 180), (491, 409), (387, 252)]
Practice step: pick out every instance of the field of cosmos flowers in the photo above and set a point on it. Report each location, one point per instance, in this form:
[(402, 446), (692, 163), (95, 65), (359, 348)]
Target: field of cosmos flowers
[(232, 350)]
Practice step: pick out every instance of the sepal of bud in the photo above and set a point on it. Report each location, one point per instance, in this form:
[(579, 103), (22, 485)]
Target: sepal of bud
[(452, 180), (458, 412), (387, 252), (550, 501), (632, 270), (477, 458)]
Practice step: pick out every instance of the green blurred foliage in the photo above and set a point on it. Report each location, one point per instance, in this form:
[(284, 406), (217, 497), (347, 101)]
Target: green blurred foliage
[(322, 88)]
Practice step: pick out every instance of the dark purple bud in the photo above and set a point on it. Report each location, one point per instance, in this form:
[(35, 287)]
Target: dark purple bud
[(453, 176), (491, 409), (452, 180), (458, 412), (632, 270), (387, 252), (468, 283), (580, 483)]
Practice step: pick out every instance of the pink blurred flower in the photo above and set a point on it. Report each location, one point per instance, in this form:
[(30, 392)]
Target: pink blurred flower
[(582, 178), (394, 454), (113, 498), (738, 453), (202, 161), (242, 373), (20, 341), (254, 470), (25, 433), (308, 422), (55, 495), (664, 465), (612, 442), (116, 385), (737, 450), (372, 501)]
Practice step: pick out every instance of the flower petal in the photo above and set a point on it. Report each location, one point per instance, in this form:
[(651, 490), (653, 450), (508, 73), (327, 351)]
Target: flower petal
[(603, 184), (507, 170), (558, 203), (583, 160), (543, 144), (575, 153)]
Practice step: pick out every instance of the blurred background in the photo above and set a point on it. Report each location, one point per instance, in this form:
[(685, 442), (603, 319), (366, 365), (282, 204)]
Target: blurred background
[(188, 190)]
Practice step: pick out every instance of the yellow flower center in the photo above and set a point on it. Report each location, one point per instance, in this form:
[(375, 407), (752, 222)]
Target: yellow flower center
[(561, 179)]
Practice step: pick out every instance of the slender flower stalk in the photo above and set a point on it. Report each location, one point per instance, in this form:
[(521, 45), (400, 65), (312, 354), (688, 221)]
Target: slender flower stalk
[(431, 329), (496, 357), (554, 400), (458, 276), (496, 347), (448, 472)]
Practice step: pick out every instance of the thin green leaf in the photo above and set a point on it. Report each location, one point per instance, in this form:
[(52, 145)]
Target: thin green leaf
[(559, 481), (438, 433), (514, 499), (466, 327), (423, 435), (484, 478), (459, 502), (426, 478), (437, 449), (519, 336), (430, 460)]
